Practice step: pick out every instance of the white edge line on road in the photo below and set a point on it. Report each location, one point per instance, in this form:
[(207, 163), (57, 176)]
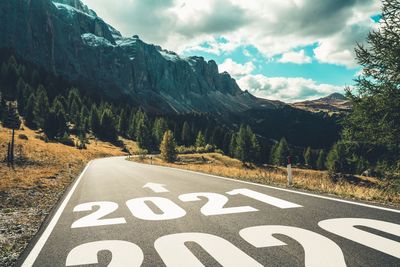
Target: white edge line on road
[(34, 253), (282, 189)]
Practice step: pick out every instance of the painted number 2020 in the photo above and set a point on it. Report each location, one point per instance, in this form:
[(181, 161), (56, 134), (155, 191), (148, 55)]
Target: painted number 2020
[(319, 250)]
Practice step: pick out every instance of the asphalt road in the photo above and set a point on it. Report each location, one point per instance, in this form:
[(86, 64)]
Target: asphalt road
[(108, 218)]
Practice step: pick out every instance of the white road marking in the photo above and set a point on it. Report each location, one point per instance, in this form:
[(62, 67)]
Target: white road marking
[(34, 253), (277, 202), (318, 250), (173, 251), (157, 188), (123, 254), (280, 189), (346, 227)]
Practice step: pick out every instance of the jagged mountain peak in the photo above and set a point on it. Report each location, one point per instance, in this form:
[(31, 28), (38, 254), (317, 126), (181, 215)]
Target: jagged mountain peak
[(76, 4), (69, 39)]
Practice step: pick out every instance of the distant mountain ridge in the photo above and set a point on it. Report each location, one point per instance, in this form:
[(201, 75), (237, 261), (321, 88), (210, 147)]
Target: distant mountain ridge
[(335, 102)]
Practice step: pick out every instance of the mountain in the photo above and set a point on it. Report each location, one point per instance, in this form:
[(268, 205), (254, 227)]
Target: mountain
[(334, 103), (68, 40)]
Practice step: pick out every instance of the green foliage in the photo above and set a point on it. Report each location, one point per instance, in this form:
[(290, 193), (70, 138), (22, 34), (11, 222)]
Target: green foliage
[(107, 129), (123, 122), (336, 159), (3, 107), (29, 112), (143, 134), (320, 163), (374, 120), (50, 125), (308, 158), (55, 124), (81, 144), (200, 140), (233, 145), (168, 147), (280, 153), (66, 140), (94, 120), (22, 96), (11, 119), (247, 146), (186, 135), (41, 108), (159, 128)]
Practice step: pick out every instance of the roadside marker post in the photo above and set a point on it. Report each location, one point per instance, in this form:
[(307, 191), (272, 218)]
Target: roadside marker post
[(289, 171)]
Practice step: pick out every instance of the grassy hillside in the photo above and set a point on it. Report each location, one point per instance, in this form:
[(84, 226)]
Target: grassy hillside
[(355, 187), (41, 175)]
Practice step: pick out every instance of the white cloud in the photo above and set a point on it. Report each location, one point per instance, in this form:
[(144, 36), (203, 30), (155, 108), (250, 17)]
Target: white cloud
[(298, 57), (339, 48), (274, 27), (286, 89), (236, 70)]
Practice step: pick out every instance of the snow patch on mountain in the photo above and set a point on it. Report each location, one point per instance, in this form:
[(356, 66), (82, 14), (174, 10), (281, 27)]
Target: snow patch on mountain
[(170, 56), (95, 41), (71, 11)]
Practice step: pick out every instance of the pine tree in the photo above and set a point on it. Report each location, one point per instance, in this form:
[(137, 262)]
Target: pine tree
[(57, 105), (107, 129), (233, 146), (243, 144), (123, 122), (271, 159), (11, 118), (83, 125), (375, 116), (226, 143), (143, 136), (320, 164), (50, 127), (132, 126), (21, 95), (61, 123), (308, 157), (41, 108), (247, 146), (159, 128), (255, 148), (94, 120), (29, 114), (168, 147), (200, 140), (3, 107), (186, 135), (281, 153), (336, 159), (74, 112)]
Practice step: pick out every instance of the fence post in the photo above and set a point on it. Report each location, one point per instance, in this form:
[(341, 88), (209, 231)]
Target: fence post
[(12, 148), (8, 154), (289, 171)]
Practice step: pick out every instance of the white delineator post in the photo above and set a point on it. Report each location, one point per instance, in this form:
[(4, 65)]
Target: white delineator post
[(289, 172)]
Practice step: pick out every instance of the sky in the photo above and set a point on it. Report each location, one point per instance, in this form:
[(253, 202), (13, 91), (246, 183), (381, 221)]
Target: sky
[(288, 50)]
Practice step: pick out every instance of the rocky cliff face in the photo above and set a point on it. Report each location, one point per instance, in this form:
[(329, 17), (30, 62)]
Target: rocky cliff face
[(69, 39)]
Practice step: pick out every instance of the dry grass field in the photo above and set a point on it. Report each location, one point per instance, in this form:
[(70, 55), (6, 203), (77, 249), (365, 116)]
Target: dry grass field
[(357, 187), (28, 193)]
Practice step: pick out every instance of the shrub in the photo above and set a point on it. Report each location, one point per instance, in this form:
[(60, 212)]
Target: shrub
[(23, 137), (66, 140)]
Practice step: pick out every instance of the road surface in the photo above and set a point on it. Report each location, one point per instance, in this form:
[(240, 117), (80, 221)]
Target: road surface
[(120, 213)]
